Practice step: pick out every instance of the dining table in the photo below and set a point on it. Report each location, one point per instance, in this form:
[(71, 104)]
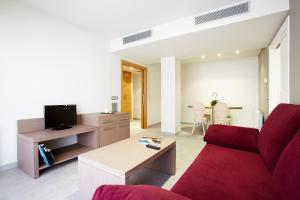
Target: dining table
[(212, 113)]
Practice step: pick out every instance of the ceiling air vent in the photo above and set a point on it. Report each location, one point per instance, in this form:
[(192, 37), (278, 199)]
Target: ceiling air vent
[(219, 14), (138, 36)]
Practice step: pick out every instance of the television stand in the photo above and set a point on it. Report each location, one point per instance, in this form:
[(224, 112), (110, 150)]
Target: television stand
[(58, 128), (31, 133)]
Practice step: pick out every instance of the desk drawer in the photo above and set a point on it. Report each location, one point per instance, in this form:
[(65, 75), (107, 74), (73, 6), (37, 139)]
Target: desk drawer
[(107, 120), (107, 135), (123, 116), (106, 127), (124, 122), (123, 132)]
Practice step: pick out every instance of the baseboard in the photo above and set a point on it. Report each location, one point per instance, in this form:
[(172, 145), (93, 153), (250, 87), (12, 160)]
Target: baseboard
[(154, 125), (187, 123), (159, 123), (8, 166), (136, 118), (170, 134)]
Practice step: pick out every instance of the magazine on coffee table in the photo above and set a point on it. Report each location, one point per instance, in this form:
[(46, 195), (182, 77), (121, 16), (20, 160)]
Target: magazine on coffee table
[(149, 140)]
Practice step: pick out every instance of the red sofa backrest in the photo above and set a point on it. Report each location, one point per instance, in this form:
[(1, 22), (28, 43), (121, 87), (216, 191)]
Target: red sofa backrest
[(286, 176), (278, 130)]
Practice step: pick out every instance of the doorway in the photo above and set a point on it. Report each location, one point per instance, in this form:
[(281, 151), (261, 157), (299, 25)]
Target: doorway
[(134, 92)]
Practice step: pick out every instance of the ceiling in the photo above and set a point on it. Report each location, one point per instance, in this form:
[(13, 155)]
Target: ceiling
[(247, 36), (115, 18)]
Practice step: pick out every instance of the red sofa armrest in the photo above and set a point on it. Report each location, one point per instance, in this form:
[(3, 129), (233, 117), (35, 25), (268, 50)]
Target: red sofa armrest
[(233, 137), (134, 192)]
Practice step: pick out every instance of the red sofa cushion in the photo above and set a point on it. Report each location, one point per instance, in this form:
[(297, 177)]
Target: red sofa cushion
[(233, 137), (134, 192), (227, 174), (278, 130), (286, 176)]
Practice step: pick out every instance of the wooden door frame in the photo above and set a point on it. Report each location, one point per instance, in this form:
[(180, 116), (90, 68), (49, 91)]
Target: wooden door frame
[(143, 89)]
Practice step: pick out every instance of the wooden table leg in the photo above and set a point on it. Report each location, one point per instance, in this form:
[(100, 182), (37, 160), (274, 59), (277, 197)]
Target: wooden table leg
[(165, 163)]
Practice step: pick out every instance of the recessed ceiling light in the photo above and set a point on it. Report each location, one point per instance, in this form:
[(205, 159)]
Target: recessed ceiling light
[(131, 68), (237, 52), (219, 54), (203, 57)]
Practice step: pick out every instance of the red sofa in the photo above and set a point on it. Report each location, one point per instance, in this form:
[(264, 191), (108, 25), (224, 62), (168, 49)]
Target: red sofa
[(236, 164)]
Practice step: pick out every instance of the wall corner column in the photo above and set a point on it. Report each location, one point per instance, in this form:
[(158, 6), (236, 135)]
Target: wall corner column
[(170, 95)]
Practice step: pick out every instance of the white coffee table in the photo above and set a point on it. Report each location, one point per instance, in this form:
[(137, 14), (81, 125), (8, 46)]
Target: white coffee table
[(115, 163)]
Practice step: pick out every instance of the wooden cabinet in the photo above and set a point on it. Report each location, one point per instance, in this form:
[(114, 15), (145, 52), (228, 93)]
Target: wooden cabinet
[(112, 127), (93, 131)]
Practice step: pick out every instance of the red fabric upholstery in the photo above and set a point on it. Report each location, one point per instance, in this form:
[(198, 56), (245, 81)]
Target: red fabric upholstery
[(233, 137), (227, 174), (278, 130), (286, 176), (134, 192)]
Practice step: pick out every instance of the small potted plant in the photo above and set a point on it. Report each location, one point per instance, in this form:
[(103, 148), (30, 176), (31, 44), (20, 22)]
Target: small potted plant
[(213, 102)]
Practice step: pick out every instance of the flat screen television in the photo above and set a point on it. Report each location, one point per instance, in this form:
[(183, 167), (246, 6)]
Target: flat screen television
[(58, 117)]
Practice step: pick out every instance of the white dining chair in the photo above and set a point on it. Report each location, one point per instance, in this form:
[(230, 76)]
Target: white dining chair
[(199, 116), (221, 113)]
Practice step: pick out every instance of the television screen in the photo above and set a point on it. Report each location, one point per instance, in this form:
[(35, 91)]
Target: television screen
[(60, 116)]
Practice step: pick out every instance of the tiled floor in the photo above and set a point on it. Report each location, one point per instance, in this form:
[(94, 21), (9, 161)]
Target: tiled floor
[(61, 182)]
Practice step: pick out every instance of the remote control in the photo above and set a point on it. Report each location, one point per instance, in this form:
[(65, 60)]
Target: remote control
[(153, 147)]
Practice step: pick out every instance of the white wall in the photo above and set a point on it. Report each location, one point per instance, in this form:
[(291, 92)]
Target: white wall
[(44, 61), (235, 81), (136, 95), (294, 51), (178, 96), (263, 59), (154, 94), (274, 78), (279, 67)]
